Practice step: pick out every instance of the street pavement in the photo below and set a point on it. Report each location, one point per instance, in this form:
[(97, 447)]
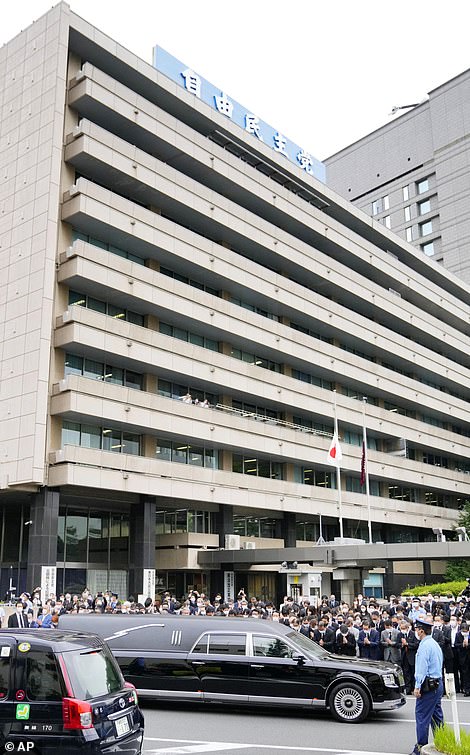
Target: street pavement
[(172, 729)]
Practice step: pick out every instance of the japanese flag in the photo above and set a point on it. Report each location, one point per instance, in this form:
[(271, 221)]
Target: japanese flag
[(334, 454)]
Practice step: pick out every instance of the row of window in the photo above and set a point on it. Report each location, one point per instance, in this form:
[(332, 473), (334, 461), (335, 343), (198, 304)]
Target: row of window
[(104, 438), (178, 390), (186, 335), (184, 453), (105, 308), (90, 368), (111, 439), (185, 520), (78, 235), (76, 298), (383, 203)]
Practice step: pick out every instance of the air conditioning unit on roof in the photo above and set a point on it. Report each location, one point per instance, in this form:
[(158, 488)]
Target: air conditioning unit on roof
[(249, 545)]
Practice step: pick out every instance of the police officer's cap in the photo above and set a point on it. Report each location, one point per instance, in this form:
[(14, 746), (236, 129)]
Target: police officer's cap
[(423, 622)]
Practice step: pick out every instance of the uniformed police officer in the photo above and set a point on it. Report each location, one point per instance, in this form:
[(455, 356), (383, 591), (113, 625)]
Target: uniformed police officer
[(428, 684)]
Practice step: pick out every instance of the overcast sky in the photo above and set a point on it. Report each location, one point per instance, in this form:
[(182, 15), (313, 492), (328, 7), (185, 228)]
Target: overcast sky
[(322, 73)]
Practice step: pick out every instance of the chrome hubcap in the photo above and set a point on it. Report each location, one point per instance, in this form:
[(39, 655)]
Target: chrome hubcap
[(348, 703)]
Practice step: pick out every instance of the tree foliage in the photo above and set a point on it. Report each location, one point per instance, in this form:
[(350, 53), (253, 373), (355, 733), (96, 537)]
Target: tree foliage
[(457, 570)]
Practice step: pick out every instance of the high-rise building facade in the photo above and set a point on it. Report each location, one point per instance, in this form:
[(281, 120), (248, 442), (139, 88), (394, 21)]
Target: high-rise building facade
[(182, 306), (412, 175)]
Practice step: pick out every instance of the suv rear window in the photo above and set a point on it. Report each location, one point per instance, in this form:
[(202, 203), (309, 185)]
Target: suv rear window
[(92, 673), (4, 676), (42, 677)]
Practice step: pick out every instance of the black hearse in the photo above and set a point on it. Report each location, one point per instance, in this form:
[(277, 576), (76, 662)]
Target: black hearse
[(241, 661), (63, 692)]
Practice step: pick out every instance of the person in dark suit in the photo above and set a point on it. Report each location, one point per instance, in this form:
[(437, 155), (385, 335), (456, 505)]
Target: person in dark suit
[(409, 647), (332, 602), (18, 620), (345, 643), (369, 642), (325, 636), (462, 644), (447, 646)]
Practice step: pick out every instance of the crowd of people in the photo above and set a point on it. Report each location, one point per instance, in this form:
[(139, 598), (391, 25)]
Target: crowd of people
[(366, 628)]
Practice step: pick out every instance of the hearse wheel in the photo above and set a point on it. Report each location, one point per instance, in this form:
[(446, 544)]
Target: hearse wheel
[(349, 703)]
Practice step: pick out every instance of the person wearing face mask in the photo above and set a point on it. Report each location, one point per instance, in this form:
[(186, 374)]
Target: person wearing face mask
[(462, 643), (428, 684), (447, 646), (18, 620), (409, 647), (454, 627)]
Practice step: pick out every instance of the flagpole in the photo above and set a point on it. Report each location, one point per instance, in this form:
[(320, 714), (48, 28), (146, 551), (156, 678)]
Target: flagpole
[(366, 465), (338, 472)]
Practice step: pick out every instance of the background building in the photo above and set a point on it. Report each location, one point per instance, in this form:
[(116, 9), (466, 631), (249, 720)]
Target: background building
[(413, 175), (152, 248)]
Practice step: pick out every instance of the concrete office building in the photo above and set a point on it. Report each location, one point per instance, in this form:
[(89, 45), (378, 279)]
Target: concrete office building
[(413, 175), (152, 248)]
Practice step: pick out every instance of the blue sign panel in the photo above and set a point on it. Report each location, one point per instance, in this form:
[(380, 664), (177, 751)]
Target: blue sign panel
[(248, 121)]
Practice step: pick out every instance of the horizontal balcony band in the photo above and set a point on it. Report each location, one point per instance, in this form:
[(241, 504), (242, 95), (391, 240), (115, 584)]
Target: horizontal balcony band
[(96, 210), (146, 350), (156, 128), (89, 401), (108, 279), (246, 330), (90, 468)]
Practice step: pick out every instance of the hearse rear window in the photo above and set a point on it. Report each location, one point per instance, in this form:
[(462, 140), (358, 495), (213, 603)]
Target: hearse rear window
[(221, 644)]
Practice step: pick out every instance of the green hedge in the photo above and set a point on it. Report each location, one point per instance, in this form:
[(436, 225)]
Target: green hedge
[(441, 588)]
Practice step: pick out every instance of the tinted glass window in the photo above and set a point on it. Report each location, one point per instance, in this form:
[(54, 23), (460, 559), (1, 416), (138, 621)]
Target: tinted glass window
[(4, 676), (272, 647), (201, 646), (92, 674), (227, 644), (42, 677)]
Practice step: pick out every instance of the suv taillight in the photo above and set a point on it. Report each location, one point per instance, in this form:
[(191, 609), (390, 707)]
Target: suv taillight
[(76, 714), (130, 686)]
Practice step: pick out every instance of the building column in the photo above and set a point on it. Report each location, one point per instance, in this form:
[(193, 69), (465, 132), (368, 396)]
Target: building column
[(289, 529), (142, 544), (224, 523), (224, 520), (42, 546)]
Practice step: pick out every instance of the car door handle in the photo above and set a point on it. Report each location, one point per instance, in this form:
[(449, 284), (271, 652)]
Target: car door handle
[(256, 665), (197, 663)]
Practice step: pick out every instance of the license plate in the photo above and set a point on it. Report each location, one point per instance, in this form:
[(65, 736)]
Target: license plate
[(122, 726)]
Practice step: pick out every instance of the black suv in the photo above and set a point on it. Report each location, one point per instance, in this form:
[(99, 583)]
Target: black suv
[(63, 692)]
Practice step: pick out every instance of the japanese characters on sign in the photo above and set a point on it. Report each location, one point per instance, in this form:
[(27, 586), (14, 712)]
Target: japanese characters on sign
[(48, 581), (249, 122), (149, 583), (229, 585)]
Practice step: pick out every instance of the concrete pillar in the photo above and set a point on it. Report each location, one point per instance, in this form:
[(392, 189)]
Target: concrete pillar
[(347, 590), (42, 546), (224, 519), (142, 543), (224, 524), (289, 530)]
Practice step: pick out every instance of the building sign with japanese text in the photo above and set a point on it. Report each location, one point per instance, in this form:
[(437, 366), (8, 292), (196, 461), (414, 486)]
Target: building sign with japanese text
[(229, 585), (149, 583), (248, 121), (48, 582)]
